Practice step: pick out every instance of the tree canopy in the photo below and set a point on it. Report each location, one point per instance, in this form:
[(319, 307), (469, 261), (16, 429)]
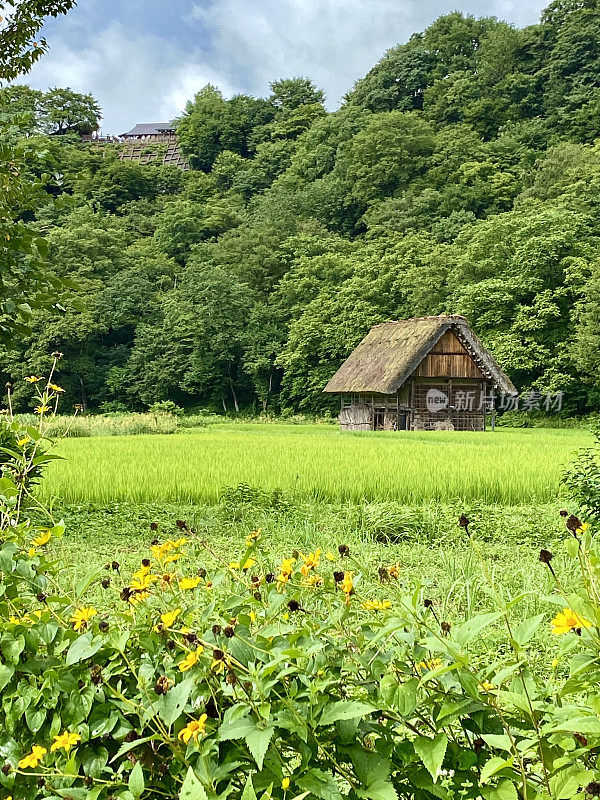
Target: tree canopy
[(460, 175)]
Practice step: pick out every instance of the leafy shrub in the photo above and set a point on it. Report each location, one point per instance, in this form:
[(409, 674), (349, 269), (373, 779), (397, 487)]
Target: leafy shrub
[(166, 407), (582, 478)]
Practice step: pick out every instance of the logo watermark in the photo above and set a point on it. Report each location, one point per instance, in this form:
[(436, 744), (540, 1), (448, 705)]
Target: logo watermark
[(467, 400)]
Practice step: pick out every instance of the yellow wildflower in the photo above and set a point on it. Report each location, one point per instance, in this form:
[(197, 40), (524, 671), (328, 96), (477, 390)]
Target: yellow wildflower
[(253, 537), (218, 665), (487, 686), (65, 741), (252, 616), (234, 565), (82, 616), (171, 559), (189, 583), (568, 620), (191, 659), (55, 388), (141, 582), (33, 379), (286, 569), (347, 585), (178, 543), (312, 580), (330, 556), (31, 552), (158, 550), (42, 539), (584, 527), (311, 561), (285, 784), (377, 605), (430, 665), (33, 759), (42, 408), (193, 729), (137, 597), (22, 442), (248, 563), (169, 617)]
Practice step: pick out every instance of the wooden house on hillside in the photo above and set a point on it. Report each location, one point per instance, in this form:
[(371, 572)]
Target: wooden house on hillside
[(427, 373)]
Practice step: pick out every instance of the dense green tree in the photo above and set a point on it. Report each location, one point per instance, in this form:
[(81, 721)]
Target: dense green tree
[(211, 124), (64, 111), (387, 155), (290, 93)]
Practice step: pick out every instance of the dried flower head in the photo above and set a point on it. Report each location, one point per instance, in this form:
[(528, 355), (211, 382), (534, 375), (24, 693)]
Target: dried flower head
[(573, 523), (163, 684)]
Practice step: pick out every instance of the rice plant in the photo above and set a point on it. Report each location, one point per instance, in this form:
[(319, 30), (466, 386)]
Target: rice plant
[(317, 463)]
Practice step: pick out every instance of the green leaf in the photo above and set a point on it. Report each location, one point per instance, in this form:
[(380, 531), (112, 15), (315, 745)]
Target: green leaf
[(504, 790), (6, 674), (83, 647), (136, 780), (492, 766), (127, 746), (527, 629), (379, 790), (344, 709), (258, 743), (431, 752), (170, 705), (498, 741), (320, 784), (192, 789), (470, 629), (248, 793), (237, 729), (567, 782)]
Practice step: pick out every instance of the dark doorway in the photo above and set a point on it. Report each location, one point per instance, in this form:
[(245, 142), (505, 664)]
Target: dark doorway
[(378, 419)]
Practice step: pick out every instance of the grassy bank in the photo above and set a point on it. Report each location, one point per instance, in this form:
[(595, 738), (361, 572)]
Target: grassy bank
[(318, 463)]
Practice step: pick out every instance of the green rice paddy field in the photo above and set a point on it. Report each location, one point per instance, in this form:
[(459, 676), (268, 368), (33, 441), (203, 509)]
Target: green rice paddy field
[(316, 463)]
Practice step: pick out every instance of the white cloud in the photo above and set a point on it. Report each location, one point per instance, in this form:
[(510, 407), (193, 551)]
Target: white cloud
[(135, 78), (142, 76), (332, 41)]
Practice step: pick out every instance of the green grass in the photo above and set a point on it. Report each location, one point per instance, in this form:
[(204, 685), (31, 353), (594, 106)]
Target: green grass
[(317, 464)]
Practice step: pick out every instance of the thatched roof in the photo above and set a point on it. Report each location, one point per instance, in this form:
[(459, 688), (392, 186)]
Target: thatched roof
[(391, 352)]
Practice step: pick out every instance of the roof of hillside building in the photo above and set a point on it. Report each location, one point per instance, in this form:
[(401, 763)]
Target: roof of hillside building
[(391, 352), (149, 129)]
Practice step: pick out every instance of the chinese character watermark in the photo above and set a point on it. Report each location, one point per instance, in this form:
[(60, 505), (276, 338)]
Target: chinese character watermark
[(471, 400)]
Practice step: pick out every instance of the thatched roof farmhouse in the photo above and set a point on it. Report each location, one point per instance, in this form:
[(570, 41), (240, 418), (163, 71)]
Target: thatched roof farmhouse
[(427, 373)]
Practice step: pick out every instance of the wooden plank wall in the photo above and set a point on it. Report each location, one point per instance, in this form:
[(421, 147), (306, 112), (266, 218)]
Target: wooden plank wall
[(448, 359)]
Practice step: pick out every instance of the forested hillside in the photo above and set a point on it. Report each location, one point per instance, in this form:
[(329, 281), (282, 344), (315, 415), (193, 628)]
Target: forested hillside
[(460, 175)]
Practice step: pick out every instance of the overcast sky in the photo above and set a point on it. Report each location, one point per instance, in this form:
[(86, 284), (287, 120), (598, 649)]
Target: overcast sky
[(142, 59)]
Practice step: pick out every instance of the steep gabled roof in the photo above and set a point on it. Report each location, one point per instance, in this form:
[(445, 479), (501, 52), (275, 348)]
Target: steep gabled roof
[(391, 352), (149, 129)]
